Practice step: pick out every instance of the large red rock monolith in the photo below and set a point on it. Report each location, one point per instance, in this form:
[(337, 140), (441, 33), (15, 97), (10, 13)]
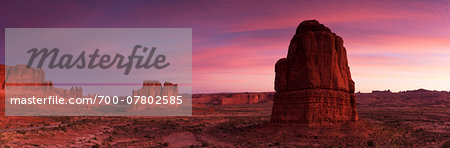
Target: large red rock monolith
[(313, 84)]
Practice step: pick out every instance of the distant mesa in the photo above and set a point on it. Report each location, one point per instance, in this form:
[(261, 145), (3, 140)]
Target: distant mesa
[(154, 88), (313, 84), (232, 98), (25, 82), (21, 81), (381, 91), (418, 91)]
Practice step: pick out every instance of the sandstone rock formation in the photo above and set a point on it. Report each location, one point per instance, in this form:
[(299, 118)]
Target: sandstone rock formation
[(232, 98), (149, 88), (170, 89), (154, 88), (26, 82), (409, 98), (2, 91), (2, 75), (313, 84)]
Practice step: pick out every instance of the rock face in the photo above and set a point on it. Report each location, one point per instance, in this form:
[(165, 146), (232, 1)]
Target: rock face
[(2, 76), (409, 98), (2, 91), (149, 88), (170, 89), (23, 82), (232, 98), (22, 74), (154, 88), (313, 84)]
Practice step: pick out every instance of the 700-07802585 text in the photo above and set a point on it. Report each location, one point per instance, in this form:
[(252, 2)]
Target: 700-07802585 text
[(105, 100)]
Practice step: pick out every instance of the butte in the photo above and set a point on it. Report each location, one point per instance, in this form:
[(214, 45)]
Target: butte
[(313, 84)]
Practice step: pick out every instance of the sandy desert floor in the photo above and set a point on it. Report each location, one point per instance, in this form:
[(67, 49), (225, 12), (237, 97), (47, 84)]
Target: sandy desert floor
[(231, 126)]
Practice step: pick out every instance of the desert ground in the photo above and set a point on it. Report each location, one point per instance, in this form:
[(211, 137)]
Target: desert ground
[(383, 123)]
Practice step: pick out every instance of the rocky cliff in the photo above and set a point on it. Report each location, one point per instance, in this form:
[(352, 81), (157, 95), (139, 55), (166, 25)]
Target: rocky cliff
[(2, 91), (232, 98), (170, 89), (27, 82), (149, 88), (154, 88), (410, 98), (2, 76), (313, 84)]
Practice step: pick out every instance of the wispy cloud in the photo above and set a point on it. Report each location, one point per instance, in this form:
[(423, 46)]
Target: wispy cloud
[(236, 43)]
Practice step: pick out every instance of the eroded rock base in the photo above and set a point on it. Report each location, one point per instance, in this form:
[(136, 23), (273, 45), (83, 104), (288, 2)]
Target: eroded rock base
[(314, 107)]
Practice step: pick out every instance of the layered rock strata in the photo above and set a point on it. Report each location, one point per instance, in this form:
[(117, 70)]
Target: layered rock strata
[(232, 98), (154, 88), (26, 82), (313, 84)]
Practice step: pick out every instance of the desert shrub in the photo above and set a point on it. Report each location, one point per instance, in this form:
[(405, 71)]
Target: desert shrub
[(21, 132), (205, 144), (149, 136), (371, 143), (136, 121), (193, 128), (64, 128), (446, 144), (4, 138), (96, 146), (165, 144)]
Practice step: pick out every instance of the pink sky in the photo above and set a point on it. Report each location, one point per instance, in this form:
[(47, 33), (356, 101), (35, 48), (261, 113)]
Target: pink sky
[(395, 45)]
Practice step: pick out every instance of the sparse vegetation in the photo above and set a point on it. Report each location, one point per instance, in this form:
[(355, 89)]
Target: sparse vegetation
[(165, 144), (371, 143), (109, 139), (96, 146), (240, 126)]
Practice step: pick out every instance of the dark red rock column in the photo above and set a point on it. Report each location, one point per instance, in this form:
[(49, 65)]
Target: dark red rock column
[(313, 84)]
